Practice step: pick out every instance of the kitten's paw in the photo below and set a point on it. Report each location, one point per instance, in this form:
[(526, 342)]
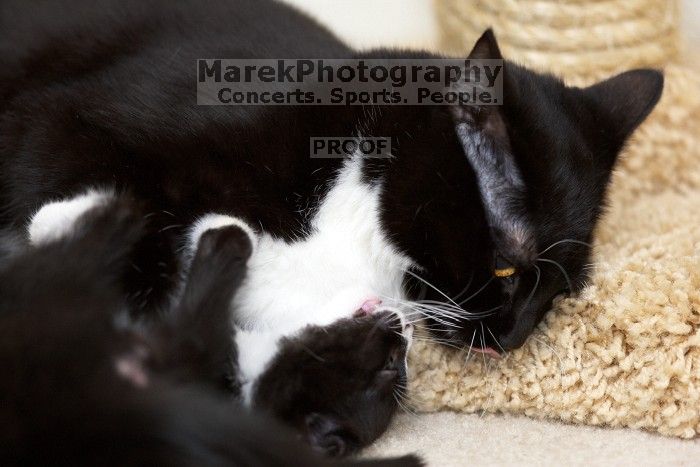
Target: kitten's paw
[(198, 238), (57, 219)]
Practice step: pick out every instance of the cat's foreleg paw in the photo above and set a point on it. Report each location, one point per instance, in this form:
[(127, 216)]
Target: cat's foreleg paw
[(202, 235), (57, 219)]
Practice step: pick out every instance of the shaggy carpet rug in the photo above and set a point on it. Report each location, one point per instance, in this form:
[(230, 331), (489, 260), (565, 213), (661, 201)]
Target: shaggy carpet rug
[(626, 351)]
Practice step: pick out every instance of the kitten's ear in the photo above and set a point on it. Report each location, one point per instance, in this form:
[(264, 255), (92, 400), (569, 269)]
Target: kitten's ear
[(486, 47), (624, 101), (325, 435)]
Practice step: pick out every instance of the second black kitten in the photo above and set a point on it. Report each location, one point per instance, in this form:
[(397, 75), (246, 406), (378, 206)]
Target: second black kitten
[(82, 387)]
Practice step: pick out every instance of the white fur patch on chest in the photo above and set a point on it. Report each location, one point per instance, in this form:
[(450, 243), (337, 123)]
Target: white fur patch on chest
[(345, 259), (328, 275)]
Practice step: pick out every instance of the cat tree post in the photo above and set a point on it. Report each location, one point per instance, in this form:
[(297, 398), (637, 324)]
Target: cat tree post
[(572, 38)]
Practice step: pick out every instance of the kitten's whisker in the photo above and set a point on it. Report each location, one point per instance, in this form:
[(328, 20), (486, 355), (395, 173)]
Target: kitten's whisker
[(402, 405)]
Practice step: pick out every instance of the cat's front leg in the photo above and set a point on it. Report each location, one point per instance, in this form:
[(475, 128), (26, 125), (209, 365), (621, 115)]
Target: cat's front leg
[(154, 274), (57, 219), (199, 332)]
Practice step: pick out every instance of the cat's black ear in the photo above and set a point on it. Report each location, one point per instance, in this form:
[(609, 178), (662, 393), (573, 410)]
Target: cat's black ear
[(624, 101), (485, 117), (486, 47)]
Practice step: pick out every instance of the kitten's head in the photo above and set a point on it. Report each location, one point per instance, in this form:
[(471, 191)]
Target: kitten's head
[(338, 384), (510, 195)]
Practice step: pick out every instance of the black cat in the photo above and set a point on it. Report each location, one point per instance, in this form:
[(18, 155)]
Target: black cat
[(103, 99)]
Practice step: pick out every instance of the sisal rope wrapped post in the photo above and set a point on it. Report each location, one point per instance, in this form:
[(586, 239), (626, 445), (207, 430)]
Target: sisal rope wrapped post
[(590, 38)]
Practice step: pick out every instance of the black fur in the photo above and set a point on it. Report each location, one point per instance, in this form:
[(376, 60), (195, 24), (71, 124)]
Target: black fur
[(105, 97), (90, 100), (337, 383), (65, 397)]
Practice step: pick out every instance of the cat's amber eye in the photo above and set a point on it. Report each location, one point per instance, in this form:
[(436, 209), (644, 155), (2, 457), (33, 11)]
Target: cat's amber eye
[(503, 268), (505, 272)]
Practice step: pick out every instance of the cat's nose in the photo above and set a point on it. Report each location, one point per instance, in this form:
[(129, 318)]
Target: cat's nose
[(368, 307)]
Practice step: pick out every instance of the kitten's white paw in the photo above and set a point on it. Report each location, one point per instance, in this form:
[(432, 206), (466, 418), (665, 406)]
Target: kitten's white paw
[(217, 221), (56, 220)]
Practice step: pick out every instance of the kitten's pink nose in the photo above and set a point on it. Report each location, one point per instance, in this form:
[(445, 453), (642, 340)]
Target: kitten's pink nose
[(368, 307)]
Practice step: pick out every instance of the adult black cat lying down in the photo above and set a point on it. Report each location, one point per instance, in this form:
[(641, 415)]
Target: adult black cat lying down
[(103, 99), (81, 389)]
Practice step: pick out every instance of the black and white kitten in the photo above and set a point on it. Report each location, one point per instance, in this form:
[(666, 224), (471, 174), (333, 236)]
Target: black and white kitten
[(85, 387), (104, 98)]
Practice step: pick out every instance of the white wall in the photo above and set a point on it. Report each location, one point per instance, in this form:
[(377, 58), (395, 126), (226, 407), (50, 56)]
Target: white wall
[(411, 23), (691, 20), (371, 23)]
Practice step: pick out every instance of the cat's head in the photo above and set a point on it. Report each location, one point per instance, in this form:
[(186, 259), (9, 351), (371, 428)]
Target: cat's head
[(340, 384), (502, 200)]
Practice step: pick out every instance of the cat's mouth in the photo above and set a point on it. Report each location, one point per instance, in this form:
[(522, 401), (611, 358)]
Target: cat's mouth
[(490, 351)]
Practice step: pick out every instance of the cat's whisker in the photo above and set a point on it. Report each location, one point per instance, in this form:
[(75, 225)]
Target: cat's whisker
[(496, 340), (471, 346), (432, 312), (457, 311), (449, 316), (416, 276), (464, 290), (566, 240), (477, 292), (490, 398), (556, 354), (537, 283), (439, 341), (483, 341), (445, 313), (448, 309), (442, 321), (561, 268)]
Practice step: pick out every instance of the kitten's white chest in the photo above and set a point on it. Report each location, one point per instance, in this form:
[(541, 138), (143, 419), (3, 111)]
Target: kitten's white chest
[(344, 260)]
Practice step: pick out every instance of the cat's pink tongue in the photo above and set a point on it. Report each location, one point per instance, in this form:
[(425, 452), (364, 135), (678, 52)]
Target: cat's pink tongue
[(488, 351)]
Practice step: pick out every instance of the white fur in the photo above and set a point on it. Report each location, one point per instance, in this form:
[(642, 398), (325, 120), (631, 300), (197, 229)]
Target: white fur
[(217, 221), (345, 259), (57, 219), (255, 351)]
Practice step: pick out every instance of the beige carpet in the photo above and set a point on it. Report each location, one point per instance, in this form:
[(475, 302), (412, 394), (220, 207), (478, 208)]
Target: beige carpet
[(448, 439)]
